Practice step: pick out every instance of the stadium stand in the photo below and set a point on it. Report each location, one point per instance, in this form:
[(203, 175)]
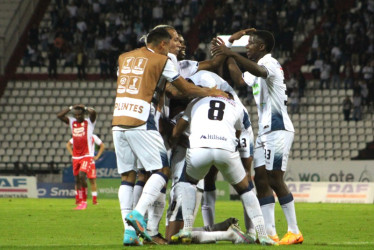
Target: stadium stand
[(33, 139)]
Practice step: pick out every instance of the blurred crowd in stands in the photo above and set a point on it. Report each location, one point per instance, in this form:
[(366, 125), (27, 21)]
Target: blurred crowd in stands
[(82, 32)]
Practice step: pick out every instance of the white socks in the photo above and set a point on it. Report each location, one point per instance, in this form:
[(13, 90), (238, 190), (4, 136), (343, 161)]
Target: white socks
[(288, 207), (155, 212), (150, 193), (188, 192), (208, 206), (252, 206), (267, 207), (250, 228), (199, 196), (138, 189), (125, 197)]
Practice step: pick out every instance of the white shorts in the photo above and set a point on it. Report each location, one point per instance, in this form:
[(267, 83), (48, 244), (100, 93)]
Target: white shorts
[(199, 161), (246, 142), (146, 146), (272, 150)]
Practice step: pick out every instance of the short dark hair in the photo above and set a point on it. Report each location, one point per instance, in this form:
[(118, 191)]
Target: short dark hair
[(267, 37), (158, 35)]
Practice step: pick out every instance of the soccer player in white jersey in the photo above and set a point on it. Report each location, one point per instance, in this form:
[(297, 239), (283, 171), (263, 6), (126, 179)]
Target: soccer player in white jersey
[(91, 169), (213, 123), (187, 68), (276, 132), (209, 79), (82, 130)]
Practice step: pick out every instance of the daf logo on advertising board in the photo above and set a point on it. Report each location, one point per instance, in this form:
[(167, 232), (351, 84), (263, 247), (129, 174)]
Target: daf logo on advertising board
[(14, 182)]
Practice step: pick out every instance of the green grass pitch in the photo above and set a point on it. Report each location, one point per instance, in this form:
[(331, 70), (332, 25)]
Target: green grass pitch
[(52, 223)]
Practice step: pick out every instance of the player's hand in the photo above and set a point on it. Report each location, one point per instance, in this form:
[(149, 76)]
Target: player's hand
[(96, 158), (217, 41), (217, 92), (239, 34), (217, 50)]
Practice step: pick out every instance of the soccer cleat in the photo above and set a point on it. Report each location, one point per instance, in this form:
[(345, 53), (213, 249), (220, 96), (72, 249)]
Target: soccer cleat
[(94, 200), (183, 236), (266, 241), (135, 219), (274, 237), (131, 239), (157, 239), (252, 237), (290, 238), (240, 237), (81, 206)]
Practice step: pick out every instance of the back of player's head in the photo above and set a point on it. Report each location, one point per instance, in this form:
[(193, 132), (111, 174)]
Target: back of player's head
[(165, 26), (267, 38), (156, 36)]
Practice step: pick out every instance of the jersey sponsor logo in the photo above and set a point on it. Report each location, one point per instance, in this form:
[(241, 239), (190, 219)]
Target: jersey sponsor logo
[(78, 132), (137, 108), (256, 89), (213, 137)]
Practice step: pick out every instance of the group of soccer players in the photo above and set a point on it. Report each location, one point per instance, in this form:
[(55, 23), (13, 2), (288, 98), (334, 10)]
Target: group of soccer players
[(199, 136), (175, 118)]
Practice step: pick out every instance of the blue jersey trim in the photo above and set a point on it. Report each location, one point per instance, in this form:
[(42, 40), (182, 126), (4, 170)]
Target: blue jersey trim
[(277, 121), (246, 121), (151, 124)]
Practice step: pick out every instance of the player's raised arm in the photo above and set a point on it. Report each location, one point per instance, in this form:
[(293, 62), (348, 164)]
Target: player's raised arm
[(62, 114), (235, 73), (249, 64), (91, 113), (193, 91)]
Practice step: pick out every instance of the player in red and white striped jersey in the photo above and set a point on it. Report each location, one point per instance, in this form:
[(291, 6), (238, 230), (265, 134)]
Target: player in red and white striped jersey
[(91, 170), (82, 130)]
